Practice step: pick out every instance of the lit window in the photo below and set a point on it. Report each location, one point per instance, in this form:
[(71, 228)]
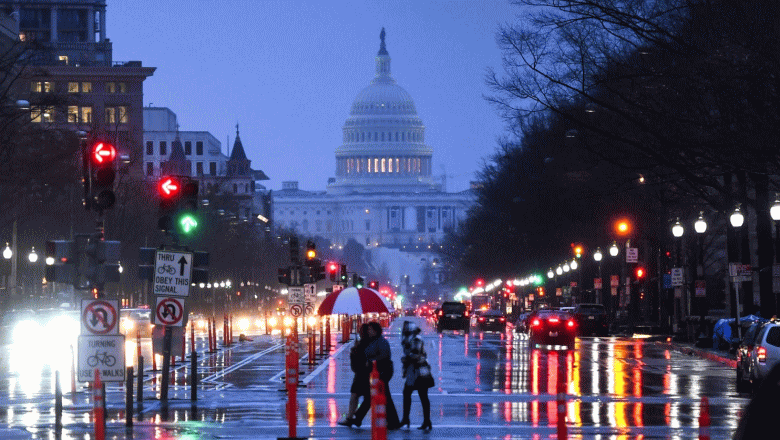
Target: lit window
[(383, 164), (86, 87), (390, 165), (64, 59), (86, 115), (121, 87), (110, 87), (376, 164), (73, 87), (35, 114), (397, 165), (110, 115), (73, 114), (122, 116)]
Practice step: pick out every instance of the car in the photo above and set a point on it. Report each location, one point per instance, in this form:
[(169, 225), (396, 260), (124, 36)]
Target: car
[(521, 324), (765, 353), (491, 320), (136, 321), (452, 316), (591, 319), (551, 327), (744, 351)]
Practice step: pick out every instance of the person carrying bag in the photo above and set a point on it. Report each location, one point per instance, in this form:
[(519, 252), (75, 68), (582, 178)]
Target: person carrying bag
[(417, 373)]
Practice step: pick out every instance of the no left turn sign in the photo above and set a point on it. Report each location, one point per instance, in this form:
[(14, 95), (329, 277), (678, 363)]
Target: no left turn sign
[(169, 311), (99, 317)]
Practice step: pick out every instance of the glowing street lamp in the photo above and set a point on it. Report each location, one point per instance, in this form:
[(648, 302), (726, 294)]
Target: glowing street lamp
[(7, 252), (33, 257), (598, 255), (701, 225), (737, 219), (613, 250), (677, 229)]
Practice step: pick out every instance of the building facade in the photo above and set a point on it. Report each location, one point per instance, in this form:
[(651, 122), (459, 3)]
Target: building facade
[(71, 79), (383, 195)]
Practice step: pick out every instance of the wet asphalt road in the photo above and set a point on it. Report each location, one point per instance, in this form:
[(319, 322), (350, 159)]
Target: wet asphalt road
[(488, 385)]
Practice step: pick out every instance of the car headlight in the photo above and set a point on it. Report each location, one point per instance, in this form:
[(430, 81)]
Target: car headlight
[(288, 322), (272, 321), (26, 331), (127, 325), (243, 324)]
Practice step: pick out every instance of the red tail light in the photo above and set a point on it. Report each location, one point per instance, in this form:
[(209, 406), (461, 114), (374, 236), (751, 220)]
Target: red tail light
[(466, 314), (761, 354), (440, 313), (536, 323), (481, 319), (502, 319), (570, 323)]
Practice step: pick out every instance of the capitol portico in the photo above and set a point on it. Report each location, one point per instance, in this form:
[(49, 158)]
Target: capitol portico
[(383, 195)]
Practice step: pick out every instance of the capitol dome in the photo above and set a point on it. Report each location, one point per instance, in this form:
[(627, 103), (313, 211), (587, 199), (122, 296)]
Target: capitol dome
[(383, 146)]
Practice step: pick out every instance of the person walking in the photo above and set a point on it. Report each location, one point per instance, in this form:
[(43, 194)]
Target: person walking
[(414, 359), (360, 382), (379, 350)]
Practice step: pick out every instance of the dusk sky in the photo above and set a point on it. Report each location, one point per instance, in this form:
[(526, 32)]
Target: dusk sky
[(288, 71)]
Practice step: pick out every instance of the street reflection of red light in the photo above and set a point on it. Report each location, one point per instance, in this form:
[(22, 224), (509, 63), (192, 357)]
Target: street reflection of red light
[(333, 412), (535, 372), (331, 386), (638, 414), (637, 382), (507, 411), (479, 411)]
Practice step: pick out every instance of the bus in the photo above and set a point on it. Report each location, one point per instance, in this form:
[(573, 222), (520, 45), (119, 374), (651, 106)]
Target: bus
[(481, 302)]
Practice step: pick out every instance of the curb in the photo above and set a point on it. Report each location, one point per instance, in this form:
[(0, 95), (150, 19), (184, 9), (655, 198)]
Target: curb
[(701, 353)]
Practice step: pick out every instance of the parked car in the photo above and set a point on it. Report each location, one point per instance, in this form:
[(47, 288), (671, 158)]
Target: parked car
[(591, 319), (491, 320), (765, 354), (453, 316), (744, 352), (551, 327)]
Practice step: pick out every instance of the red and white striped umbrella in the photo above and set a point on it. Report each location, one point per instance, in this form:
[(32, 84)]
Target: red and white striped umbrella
[(353, 301)]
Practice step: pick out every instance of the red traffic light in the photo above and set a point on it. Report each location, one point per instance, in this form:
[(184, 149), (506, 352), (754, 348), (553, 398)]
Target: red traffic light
[(480, 282), (640, 273), (169, 187), (333, 267), (103, 153)]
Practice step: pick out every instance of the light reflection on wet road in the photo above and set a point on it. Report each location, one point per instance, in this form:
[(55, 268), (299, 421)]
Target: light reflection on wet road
[(489, 385)]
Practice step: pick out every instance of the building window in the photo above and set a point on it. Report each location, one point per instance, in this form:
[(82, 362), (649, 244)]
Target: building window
[(42, 86), (213, 168), (110, 87), (73, 114), (305, 225), (187, 148), (235, 189), (149, 168), (86, 115), (73, 87), (163, 148), (110, 115), (121, 87), (42, 114), (86, 87), (123, 114), (149, 148), (199, 148), (198, 168)]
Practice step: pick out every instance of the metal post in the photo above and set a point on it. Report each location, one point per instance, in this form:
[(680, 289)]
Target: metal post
[(141, 379), (166, 363), (57, 401), (129, 397)]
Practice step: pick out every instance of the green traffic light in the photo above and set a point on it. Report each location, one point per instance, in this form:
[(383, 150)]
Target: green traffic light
[(188, 223)]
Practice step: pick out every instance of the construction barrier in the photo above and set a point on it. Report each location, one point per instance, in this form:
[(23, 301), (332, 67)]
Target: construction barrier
[(378, 407), (98, 407), (704, 419)]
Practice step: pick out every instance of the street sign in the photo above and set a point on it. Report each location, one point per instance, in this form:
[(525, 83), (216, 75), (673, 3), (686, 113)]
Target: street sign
[(558, 291), (296, 309), (614, 281), (614, 291), (172, 273), (169, 311), (308, 310), (632, 255), (106, 353), (158, 339), (677, 276), (740, 270), (597, 283), (701, 288), (667, 281), (310, 293), (296, 295), (99, 317), (338, 288)]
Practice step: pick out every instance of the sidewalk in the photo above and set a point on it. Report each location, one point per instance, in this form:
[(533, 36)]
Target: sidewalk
[(721, 356)]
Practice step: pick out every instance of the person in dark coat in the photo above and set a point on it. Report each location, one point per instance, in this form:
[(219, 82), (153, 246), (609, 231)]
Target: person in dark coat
[(360, 383), (414, 357), (758, 419), (379, 350)]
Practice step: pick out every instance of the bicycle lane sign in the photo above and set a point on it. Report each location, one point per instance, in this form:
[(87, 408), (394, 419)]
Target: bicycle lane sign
[(172, 273), (104, 352)]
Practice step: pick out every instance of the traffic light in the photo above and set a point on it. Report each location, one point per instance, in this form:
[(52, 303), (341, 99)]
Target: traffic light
[(102, 173), (294, 257), (169, 188), (319, 272), (311, 250), (640, 273), (373, 284), (357, 281), (333, 269), (284, 276), (187, 221), (343, 276)]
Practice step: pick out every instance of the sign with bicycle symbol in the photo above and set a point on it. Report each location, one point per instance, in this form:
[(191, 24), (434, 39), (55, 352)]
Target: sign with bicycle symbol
[(99, 317), (169, 311), (172, 273), (104, 352)]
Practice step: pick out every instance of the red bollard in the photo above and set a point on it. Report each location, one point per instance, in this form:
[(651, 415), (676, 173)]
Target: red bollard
[(291, 380), (327, 334), (378, 407), (704, 419), (72, 371), (344, 329), (213, 334), (97, 407), (230, 331), (561, 385), (322, 338), (312, 336)]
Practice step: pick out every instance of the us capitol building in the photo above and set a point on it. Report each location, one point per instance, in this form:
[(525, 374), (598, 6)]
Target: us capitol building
[(384, 195)]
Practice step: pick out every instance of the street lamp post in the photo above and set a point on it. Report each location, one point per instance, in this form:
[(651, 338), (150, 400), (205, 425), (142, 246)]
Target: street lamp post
[(700, 226), (677, 231), (597, 256), (737, 219)]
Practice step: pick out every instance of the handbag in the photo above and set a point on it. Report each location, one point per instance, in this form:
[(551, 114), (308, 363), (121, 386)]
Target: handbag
[(425, 378)]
